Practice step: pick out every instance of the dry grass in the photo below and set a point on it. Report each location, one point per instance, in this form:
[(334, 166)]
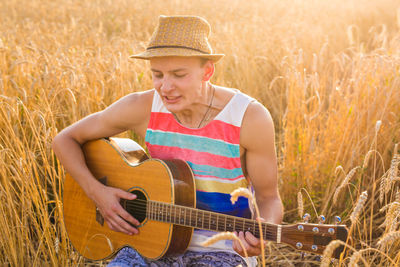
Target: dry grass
[(327, 70)]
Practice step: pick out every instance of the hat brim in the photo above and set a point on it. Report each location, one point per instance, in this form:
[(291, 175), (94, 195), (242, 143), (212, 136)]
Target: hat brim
[(178, 52)]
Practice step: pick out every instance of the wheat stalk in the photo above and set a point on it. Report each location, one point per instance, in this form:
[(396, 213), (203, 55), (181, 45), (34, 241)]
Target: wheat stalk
[(225, 236), (327, 254), (244, 192)]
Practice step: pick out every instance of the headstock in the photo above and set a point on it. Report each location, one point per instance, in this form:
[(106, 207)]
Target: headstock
[(312, 237)]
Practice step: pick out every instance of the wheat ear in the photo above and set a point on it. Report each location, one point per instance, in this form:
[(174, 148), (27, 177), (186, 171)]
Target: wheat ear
[(360, 205), (344, 183), (244, 192), (225, 236)]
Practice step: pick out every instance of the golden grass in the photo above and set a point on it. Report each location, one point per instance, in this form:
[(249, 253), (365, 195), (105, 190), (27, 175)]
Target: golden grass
[(328, 71)]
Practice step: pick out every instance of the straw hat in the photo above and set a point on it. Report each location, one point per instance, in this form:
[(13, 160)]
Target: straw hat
[(185, 36)]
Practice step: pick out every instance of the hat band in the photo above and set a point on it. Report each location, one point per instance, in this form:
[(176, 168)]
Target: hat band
[(176, 46)]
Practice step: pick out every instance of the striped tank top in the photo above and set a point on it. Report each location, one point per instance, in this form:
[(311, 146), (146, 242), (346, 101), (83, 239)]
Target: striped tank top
[(213, 154)]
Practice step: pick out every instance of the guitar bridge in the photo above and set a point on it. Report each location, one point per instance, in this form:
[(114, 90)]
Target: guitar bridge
[(99, 217)]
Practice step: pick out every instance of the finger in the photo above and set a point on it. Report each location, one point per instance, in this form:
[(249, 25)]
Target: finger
[(125, 195), (128, 217), (122, 226), (251, 250), (244, 242), (252, 240)]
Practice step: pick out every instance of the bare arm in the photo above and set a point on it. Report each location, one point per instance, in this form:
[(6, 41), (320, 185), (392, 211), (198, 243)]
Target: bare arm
[(129, 113), (257, 137)]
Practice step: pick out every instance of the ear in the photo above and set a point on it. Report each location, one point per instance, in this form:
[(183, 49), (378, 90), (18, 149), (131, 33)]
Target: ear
[(208, 70)]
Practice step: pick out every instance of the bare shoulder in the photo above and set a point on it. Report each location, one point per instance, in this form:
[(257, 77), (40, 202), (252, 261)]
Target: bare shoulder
[(222, 96), (257, 129), (130, 112)]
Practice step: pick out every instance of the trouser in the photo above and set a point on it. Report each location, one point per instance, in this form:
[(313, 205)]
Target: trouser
[(128, 257)]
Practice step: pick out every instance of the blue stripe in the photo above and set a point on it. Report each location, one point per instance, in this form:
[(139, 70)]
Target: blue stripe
[(221, 203), (196, 143), (215, 171)]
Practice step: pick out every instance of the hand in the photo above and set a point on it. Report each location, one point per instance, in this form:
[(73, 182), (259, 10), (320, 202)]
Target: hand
[(251, 243), (107, 200)]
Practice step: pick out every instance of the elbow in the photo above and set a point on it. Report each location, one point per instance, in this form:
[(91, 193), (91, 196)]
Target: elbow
[(55, 144)]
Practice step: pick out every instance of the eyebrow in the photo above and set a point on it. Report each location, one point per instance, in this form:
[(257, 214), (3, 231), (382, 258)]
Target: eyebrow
[(175, 70)]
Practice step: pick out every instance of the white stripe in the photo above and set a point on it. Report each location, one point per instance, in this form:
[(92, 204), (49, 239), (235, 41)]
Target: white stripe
[(232, 113)]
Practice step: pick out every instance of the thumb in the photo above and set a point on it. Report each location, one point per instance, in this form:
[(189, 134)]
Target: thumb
[(259, 219)]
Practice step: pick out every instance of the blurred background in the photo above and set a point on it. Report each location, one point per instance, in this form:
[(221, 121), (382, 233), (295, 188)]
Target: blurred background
[(328, 71)]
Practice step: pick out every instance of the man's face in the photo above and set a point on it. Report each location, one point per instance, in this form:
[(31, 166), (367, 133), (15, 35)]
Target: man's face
[(178, 80)]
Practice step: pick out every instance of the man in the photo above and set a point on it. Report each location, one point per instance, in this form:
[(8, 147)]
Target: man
[(226, 137)]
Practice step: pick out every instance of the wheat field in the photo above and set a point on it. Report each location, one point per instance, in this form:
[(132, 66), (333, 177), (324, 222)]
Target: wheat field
[(328, 71)]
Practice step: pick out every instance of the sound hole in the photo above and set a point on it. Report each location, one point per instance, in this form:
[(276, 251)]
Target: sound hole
[(137, 207)]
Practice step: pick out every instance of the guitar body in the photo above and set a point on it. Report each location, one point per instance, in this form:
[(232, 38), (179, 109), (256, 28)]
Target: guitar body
[(123, 164)]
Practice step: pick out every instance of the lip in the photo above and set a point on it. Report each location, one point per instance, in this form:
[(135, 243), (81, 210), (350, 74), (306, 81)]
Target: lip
[(171, 99)]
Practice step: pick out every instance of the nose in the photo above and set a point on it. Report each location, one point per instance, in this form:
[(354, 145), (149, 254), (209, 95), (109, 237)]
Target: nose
[(166, 85)]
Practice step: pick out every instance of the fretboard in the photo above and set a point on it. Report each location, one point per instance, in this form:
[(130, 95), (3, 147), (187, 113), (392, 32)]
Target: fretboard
[(185, 216)]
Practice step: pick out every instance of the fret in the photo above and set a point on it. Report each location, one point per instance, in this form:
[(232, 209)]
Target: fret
[(206, 220), (216, 223), (148, 210), (221, 223), (248, 226), (183, 213), (213, 221), (159, 211), (162, 212), (198, 219), (155, 212), (234, 224), (179, 215), (202, 223), (229, 224), (169, 213), (187, 212), (225, 223), (175, 215), (243, 225), (165, 212), (254, 228), (190, 218)]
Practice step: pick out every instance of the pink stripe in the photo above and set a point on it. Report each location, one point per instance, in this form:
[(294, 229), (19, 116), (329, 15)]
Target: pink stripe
[(201, 158), (230, 179), (216, 129)]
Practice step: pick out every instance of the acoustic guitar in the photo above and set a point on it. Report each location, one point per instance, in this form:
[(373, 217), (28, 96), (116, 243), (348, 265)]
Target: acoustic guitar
[(165, 206)]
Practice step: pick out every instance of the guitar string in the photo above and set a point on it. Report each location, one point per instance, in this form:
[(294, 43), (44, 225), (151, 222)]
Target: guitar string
[(249, 224), (212, 226), (267, 234)]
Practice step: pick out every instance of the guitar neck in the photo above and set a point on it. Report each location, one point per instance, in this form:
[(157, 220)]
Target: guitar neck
[(207, 220)]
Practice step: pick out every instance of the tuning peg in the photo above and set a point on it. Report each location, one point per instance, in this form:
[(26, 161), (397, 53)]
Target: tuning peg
[(306, 218), (321, 219), (338, 220), (303, 255)]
